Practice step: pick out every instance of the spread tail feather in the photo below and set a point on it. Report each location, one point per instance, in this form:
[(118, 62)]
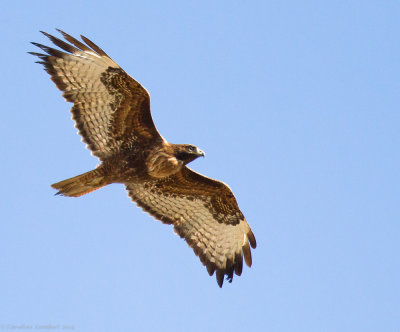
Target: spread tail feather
[(81, 184)]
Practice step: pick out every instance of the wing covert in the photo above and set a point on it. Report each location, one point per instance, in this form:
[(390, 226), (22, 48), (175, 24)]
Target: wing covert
[(204, 212)]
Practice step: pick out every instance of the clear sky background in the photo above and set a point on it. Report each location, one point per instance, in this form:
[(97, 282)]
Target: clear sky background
[(296, 104)]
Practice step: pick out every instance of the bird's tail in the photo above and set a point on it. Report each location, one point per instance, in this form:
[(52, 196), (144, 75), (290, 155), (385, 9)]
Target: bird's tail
[(81, 184)]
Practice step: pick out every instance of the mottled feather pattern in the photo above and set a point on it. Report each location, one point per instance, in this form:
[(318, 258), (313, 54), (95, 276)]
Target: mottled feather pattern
[(111, 111), (110, 107), (132, 106), (220, 243)]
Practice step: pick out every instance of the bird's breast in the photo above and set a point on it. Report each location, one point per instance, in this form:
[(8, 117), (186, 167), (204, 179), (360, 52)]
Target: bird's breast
[(161, 164)]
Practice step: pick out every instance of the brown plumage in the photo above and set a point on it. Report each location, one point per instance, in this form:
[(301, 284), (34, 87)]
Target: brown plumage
[(112, 114)]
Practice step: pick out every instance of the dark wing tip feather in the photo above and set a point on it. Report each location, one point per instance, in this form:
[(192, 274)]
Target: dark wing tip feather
[(74, 46), (247, 254), (41, 56), (94, 46), (62, 32), (36, 44), (60, 43), (210, 269), (37, 54), (252, 239), (220, 277), (238, 263), (49, 50), (229, 273), (231, 267), (74, 41)]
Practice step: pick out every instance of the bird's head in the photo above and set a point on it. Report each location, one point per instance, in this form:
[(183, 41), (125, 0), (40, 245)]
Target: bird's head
[(187, 153)]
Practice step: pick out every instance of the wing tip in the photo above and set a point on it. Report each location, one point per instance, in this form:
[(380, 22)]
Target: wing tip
[(60, 31), (45, 33), (238, 263), (252, 239), (247, 254), (94, 47), (220, 277), (210, 269)]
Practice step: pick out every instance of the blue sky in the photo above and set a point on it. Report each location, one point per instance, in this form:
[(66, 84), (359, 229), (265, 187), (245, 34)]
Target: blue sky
[(296, 104)]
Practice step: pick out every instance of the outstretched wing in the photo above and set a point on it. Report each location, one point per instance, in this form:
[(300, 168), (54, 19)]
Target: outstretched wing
[(111, 109), (205, 213)]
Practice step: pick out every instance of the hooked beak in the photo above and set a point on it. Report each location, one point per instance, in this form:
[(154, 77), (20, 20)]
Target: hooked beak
[(200, 153)]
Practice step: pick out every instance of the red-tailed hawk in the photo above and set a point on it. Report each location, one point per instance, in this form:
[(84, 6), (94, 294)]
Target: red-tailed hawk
[(112, 114)]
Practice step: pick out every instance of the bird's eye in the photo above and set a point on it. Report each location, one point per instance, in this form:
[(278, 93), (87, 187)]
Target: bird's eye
[(191, 148)]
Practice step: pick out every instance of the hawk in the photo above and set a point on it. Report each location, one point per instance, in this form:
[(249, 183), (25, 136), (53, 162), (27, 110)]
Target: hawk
[(112, 114)]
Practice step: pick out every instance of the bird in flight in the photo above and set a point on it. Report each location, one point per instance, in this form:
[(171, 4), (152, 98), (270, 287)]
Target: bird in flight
[(112, 114)]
